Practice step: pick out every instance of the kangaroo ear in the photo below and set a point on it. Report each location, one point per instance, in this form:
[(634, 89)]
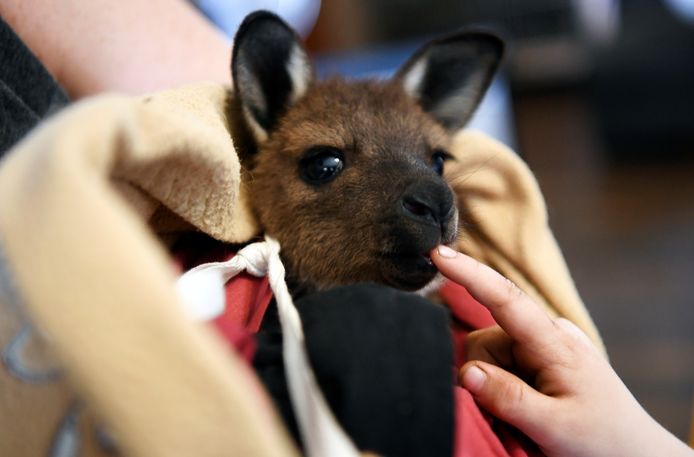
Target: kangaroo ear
[(270, 70), (449, 76)]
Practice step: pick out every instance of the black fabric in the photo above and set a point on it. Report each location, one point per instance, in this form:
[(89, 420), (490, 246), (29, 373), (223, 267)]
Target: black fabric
[(28, 93), (383, 359)]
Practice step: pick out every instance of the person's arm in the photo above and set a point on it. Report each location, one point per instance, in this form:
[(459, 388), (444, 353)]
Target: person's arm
[(573, 403), (131, 46)]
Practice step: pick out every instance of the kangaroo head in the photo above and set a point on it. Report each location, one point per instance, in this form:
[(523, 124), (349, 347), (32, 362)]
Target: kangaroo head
[(348, 175)]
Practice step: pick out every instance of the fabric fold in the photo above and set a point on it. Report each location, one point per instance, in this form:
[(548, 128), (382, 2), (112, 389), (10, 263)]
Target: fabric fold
[(85, 202)]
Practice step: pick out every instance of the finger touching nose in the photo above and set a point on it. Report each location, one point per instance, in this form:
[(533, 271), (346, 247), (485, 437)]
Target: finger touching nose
[(513, 310)]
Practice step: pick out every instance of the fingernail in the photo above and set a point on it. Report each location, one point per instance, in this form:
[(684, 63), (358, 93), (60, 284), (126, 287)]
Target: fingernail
[(473, 379), (446, 252)]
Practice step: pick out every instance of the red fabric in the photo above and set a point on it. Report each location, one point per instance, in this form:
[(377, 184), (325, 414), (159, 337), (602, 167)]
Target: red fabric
[(468, 315), (476, 432), (473, 429), (249, 295)]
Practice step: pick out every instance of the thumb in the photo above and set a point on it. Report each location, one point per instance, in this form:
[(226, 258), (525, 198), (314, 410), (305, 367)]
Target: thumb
[(507, 397)]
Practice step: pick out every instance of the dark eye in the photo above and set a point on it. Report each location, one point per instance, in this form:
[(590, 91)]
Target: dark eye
[(321, 164), (437, 160)]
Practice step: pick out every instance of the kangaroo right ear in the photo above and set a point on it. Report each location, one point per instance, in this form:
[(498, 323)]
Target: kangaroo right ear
[(449, 75), (270, 70)]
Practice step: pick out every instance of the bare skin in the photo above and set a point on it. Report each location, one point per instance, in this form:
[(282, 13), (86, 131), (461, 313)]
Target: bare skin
[(129, 46), (575, 404)]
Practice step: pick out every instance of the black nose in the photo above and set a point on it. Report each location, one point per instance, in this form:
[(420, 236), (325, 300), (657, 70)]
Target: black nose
[(428, 202)]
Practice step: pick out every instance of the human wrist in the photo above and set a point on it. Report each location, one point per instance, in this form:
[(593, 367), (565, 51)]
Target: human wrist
[(642, 436)]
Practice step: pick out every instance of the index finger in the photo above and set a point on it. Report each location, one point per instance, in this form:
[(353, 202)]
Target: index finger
[(513, 310)]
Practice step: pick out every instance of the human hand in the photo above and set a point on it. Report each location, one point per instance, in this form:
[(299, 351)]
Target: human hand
[(545, 377)]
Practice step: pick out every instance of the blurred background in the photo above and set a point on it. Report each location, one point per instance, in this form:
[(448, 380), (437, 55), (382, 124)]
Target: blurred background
[(598, 97)]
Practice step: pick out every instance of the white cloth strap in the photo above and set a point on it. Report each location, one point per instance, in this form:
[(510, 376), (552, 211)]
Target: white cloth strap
[(202, 291)]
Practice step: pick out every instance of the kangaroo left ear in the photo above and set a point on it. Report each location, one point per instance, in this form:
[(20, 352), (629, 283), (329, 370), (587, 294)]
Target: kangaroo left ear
[(449, 76), (270, 70)]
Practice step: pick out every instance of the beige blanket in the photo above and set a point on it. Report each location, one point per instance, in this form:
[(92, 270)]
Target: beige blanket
[(90, 326)]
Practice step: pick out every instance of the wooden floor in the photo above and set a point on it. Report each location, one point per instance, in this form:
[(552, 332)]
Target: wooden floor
[(627, 232)]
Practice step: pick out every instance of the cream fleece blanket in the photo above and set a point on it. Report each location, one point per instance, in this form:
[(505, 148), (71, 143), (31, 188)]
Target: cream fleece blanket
[(89, 321)]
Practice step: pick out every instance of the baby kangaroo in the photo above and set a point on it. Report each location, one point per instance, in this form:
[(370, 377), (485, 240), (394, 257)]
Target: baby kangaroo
[(348, 175)]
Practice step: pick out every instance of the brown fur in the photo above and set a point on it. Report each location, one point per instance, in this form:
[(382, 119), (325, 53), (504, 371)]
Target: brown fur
[(338, 233), (347, 175)]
